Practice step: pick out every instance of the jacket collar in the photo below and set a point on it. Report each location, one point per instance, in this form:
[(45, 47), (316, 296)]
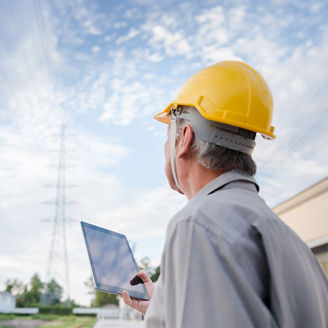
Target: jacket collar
[(224, 179)]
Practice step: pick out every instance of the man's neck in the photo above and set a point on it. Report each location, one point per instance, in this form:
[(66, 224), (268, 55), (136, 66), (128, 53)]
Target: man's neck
[(195, 178)]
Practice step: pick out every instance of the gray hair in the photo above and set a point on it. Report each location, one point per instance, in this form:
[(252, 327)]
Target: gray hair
[(214, 157)]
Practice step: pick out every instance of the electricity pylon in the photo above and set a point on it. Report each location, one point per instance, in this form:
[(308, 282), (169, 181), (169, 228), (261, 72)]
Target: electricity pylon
[(57, 266)]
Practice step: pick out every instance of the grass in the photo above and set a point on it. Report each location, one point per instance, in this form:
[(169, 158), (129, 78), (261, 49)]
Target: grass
[(8, 317), (54, 321), (72, 321)]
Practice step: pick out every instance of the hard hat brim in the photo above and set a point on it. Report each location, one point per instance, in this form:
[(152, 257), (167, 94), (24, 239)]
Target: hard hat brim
[(164, 117)]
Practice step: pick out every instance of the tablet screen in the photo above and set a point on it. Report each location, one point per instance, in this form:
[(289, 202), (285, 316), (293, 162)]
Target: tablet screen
[(112, 262)]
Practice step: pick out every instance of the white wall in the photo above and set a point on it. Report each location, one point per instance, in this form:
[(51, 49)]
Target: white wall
[(7, 302)]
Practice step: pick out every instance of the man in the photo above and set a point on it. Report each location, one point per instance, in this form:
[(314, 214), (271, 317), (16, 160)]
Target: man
[(228, 261)]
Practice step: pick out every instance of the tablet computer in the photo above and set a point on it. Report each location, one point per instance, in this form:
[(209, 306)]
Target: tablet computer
[(112, 262)]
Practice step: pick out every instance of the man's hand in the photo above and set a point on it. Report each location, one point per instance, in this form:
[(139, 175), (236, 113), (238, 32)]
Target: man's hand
[(137, 304)]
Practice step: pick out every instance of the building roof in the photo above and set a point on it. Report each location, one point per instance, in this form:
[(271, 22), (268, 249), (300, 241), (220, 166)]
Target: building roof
[(4, 293), (302, 197), (306, 213), (110, 306)]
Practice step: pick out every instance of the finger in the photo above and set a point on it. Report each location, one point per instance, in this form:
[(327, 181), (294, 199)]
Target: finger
[(126, 298), (144, 276)]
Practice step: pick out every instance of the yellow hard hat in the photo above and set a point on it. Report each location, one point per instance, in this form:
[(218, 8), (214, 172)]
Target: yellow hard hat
[(229, 92)]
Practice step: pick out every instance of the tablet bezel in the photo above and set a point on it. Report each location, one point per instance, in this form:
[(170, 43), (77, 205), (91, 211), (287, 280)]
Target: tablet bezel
[(104, 287)]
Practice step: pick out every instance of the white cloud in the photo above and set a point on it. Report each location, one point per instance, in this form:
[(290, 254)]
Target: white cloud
[(297, 158), (213, 54), (259, 49), (212, 28), (132, 34), (24, 170), (31, 106), (126, 103), (173, 43), (120, 25), (95, 49), (153, 57), (236, 17), (130, 95), (315, 7), (148, 214), (86, 15), (131, 13)]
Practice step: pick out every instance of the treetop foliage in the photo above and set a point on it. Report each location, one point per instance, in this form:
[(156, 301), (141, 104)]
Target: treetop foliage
[(35, 293)]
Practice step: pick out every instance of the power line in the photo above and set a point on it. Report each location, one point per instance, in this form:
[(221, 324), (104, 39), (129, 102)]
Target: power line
[(303, 123)]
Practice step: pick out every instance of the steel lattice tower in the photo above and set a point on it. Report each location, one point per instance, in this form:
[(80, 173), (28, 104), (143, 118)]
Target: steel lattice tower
[(57, 266)]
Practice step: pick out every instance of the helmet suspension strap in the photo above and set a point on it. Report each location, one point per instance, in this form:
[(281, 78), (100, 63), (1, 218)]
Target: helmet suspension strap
[(173, 133)]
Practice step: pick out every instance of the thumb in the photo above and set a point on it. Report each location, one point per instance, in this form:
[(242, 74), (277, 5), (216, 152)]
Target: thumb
[(143, 275)]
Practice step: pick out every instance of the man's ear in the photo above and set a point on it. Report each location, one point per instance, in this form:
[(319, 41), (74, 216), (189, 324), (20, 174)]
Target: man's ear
[(185, 141)]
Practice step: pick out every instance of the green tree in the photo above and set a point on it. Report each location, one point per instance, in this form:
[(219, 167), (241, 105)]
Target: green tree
[(155, 275), (14, 287), (26, 295), (21, 298), (53, 293), (144, 264), (102, 298), (36, 292), (99, 298), (33, 297)]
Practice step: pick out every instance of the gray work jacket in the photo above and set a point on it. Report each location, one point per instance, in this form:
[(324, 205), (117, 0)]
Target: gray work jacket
[(229, 261)]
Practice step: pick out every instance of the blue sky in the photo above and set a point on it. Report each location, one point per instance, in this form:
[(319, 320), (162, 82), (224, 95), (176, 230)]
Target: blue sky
[(104, 68)]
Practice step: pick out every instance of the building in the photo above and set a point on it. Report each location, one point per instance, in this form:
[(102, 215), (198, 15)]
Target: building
[(7, 302), (109, 311), (307, 214), (128, 313)]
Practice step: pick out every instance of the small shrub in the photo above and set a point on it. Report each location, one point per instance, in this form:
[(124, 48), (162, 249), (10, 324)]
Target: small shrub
[(46, 317), (56, 309)]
